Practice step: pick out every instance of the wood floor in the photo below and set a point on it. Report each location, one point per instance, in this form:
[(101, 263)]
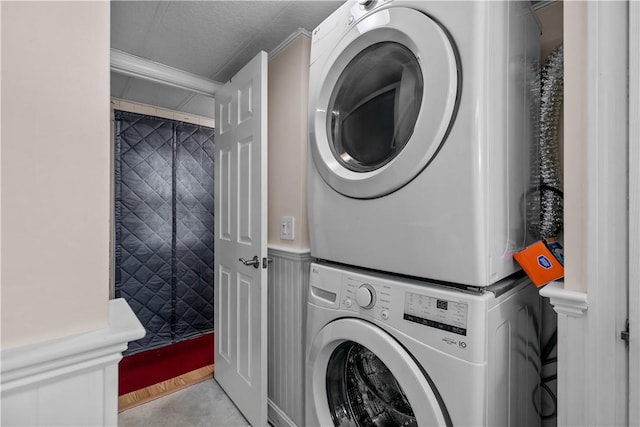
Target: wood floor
[(147, 394)]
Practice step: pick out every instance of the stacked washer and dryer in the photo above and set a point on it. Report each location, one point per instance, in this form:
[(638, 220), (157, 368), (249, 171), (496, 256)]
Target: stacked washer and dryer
[(422, 120)]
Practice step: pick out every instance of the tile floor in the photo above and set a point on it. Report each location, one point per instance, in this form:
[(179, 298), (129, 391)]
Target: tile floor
[(203, 404)]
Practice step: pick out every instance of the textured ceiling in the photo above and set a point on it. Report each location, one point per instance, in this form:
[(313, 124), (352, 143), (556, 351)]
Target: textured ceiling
[(213, 39)]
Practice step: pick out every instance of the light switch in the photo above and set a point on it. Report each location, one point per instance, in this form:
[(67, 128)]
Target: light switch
[(286, 228)]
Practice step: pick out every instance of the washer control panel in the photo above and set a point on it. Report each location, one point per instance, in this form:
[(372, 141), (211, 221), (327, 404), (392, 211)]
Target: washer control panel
[(450, 316), (449, 320), (369, 298)]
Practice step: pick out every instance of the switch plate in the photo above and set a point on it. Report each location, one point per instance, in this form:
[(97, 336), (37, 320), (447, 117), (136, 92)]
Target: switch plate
[(287, 228)]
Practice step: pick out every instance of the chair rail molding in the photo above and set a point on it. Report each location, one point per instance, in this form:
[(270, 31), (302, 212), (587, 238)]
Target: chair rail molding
[(569, 303), (39, 381)]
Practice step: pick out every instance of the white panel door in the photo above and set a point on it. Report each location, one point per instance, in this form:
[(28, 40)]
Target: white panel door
[(240, 290)]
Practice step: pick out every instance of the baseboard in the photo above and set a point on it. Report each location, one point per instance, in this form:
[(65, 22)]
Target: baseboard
[(155, 391), (152, 367), (277, 417)]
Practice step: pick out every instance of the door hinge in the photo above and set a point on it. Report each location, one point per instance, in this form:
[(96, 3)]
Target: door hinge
[(266, 261), (624, 335)]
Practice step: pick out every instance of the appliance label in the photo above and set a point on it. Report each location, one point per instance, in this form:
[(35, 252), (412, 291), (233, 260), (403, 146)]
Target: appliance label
[(437, 313)]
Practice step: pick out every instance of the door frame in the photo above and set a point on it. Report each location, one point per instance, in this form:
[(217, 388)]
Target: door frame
[(593, 302), (634, 213), (607, 215), (592, 305)]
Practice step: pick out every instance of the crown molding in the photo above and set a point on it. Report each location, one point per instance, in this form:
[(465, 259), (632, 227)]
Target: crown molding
[(135, 66), (300, 32)]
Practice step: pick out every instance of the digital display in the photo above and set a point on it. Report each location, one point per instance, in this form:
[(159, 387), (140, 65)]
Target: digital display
[(450, 316)]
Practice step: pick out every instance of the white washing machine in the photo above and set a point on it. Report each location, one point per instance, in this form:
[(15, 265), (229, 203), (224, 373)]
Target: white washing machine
[(421, 119), (385, 351)]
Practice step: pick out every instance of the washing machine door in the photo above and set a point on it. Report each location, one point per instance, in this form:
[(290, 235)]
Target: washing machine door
[(361, 376), (382, 102)]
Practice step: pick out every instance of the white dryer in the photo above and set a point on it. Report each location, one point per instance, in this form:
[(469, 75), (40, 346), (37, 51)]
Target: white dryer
[(383, 351), (421, 118)]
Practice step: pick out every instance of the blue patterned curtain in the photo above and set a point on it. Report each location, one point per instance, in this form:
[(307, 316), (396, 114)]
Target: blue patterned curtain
[(164, 205)]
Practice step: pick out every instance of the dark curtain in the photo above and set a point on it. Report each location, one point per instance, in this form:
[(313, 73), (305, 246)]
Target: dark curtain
[(164, 205)]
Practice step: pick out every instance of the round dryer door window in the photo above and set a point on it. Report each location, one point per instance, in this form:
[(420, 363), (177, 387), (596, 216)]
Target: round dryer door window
[(374, 106), (382, 102), (359, 375)]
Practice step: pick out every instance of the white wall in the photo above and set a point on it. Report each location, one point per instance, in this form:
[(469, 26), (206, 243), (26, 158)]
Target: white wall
[(551, 17), (55, 169), (575, 147), (288, 274), (288, 100)]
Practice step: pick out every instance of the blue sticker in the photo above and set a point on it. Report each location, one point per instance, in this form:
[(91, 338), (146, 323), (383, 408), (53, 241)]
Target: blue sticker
[(544, 262), (557, 251)]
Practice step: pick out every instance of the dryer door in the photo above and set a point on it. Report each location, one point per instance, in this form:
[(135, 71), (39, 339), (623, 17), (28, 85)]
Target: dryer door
[(381, 102), (360, 376)]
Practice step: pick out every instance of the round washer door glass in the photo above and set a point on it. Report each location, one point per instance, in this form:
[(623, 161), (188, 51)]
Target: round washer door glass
[(370, 380), (374, 106), (362, 391)]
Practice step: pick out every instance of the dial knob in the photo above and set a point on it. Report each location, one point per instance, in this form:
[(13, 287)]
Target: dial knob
[(366, 296)]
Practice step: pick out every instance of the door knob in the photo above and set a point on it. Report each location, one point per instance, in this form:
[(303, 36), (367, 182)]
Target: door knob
[(255, 262)]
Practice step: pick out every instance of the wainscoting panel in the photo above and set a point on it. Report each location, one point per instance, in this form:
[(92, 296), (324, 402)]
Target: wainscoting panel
[(288, 282), (71, 380)]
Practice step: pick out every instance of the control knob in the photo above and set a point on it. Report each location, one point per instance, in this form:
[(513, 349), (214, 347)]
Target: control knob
[(366, 3), (366, 296)]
